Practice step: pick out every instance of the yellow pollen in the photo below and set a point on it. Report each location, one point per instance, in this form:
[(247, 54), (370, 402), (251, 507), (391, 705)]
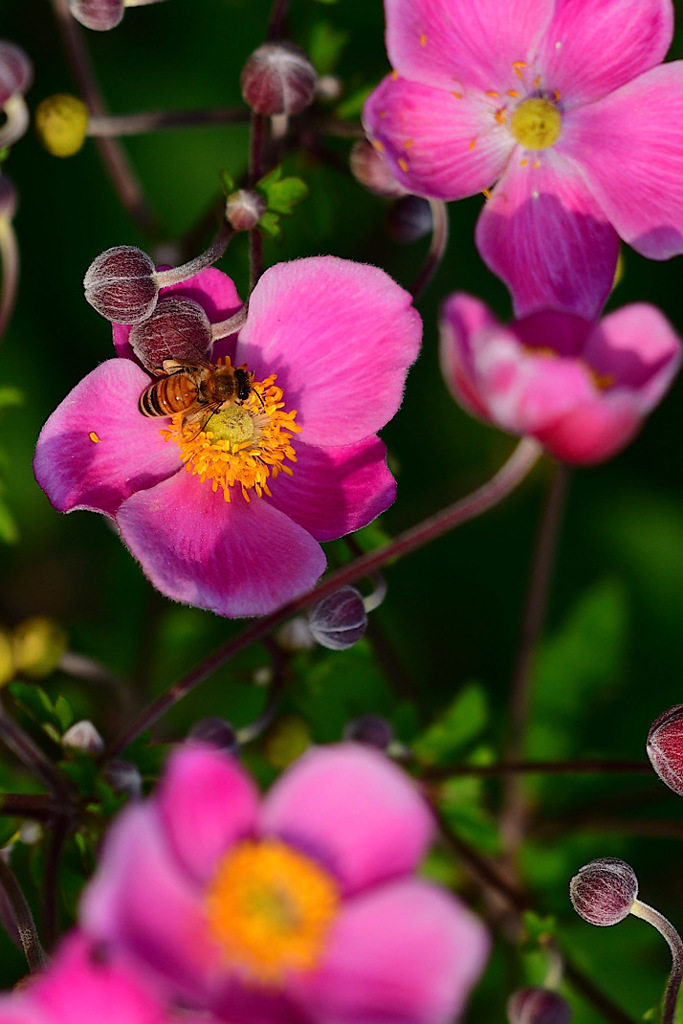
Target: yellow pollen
[(379, 146), (536, 124), (513, 93), (394, 76), (518, 64), (382, 113), (602, 381), (537, 81), (458, 95), (556, 94), (486, 192), (93, 437), (270, 909), (241, 446), (403, 164), (523, 163), (500, 115), (423, 39), (495, 95), (536, 164), (473, 143), (408, 143)]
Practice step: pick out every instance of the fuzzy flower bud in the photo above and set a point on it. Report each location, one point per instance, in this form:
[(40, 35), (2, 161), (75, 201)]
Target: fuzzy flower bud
[(98, 14), (16, 71), (410, 219), (372, 730), (177, 329), (338, 621), (83, 736), (244, 209), (665, 747), (38, 645), (120, 284), (603, 891), (537, 1006), (371, 171), (8, 198), (123, 777), (278, 78), (61, 123), (217, 732)]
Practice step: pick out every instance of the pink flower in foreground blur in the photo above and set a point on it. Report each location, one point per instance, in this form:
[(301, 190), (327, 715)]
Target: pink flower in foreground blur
[(83, 986), (238, 534), (560, 102), (579, 387), (301, 909)]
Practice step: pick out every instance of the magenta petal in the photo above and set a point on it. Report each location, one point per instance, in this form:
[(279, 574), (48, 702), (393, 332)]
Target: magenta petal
[(404, 954), (234, 558), (97, 449), (593, 430), (438, 143), (206, 803), (543, 233), (340, 337), (463, 318), (473, 42), (335, 491), (15, 1009), (631, 148), (592, 48), (142, 904), (351, 808)]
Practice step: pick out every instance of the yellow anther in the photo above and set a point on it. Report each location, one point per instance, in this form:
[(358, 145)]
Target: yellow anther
[(536, 124), (93, 437)]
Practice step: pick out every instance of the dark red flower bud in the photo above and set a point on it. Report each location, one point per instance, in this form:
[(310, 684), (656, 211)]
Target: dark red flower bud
[(98, 14), (604, 890), (278, 78), (16, 71), (8, 198), (373, 730), (665, 747), (216, 732), (120, 285), (409, 219), (244, 209), (177, 329), (123, 777), (538, 1006), (338, 621), (371, 171)]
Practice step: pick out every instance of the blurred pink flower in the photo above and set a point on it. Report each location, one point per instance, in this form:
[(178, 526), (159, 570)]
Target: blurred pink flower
[(238, 534), (579, 387), (560, 102), (301, 909)]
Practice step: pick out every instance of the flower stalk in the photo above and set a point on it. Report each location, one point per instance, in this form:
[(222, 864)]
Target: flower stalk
[(23, 919), (669, 933), (436, 251)]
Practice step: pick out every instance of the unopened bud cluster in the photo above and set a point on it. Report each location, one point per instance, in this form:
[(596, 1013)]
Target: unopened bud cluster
[(665, 747), (120, 284), (177, 329), (372, 730), (217, 732), (99, 15), (244, 209), (603, 891), (338, 621), (535, 1005), (278, 78), (16, 71)]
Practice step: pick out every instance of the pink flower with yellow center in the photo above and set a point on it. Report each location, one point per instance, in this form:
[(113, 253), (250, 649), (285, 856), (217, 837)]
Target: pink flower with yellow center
[(563, 104), (229, 516), (581, 388), (299, 909)]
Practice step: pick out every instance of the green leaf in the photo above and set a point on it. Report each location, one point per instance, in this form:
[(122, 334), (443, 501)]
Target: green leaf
[(34, 700), (10, 396), (9, 828), (325, 46), (9, 534), (461, 722), (283, 195), (270, 223), (227, 184), (352, 106), (537, 930), (65, 715), (462, 804)]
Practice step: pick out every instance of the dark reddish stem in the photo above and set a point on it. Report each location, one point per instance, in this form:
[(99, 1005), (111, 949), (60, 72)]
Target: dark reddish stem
[(23, 918), (589, 766)]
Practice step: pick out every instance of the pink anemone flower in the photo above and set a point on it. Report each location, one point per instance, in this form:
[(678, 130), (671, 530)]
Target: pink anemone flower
[(299, 462), (300, 909), (83, 986), (563, 104), (581, 388)]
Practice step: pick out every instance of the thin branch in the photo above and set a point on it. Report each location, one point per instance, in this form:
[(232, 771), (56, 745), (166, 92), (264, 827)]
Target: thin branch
[(436, 251), (30, 754), (587, 766), (9, 253), (147, 121), (257, 142), (23, 919), (58, 836)]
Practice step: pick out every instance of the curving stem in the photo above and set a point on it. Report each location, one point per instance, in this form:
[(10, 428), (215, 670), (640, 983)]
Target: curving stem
[(667, 930)]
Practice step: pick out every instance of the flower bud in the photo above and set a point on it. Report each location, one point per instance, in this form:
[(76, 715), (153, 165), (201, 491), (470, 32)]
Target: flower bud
[(244, 209), (98, 14), (217, 732), (6, 657), (8, 198), (295, 635), (604, 890), (123, 777), (120, 284), (61, 123), (409, 219), (372, 730), (537, 1006), (16, 71), (177, 329), (278, 78), (665, 747), (38, 645), (338, 621), (83, 736), (371, 171)]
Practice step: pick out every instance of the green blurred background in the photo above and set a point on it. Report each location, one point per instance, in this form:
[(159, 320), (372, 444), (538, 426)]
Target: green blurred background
[(613, 651)]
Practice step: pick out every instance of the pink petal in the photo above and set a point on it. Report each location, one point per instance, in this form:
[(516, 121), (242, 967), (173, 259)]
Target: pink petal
[(592, 48), (211, 288), (233, 558), (543, 233), (594, 430), (340, 336), (631, 148), (335, 491), (97, 449), (141, 903), (83, 987), (438, 143), (472, 42), (404, 954), (639, 349), (206, 803), (351, 808), (17, 1010), (463, 318)]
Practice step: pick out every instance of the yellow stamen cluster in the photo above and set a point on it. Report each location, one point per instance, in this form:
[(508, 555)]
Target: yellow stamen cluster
[(241, 445), (270, 909), (536, 123)]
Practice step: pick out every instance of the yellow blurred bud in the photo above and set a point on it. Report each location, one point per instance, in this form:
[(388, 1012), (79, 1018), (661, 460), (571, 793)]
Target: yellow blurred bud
[(38, 645), (620, 269), (6, 657), (61, 124), (286, 740)]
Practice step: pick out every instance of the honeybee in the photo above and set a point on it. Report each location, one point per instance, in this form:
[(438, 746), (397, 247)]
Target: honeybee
[(197, 390)]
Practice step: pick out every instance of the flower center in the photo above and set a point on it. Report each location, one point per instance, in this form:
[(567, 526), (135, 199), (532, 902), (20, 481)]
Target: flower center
[(270, 909), (602, 381), (241, 445), (536, 124)]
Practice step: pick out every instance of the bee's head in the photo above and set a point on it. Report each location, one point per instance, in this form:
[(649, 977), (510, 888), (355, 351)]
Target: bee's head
[(243, 381)]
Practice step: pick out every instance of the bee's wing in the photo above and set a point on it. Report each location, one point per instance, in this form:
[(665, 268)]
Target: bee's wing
[(195, 418), (170, 366)]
